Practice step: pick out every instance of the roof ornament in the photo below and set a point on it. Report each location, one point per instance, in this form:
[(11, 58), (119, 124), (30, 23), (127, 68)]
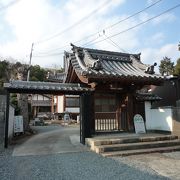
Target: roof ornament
[(97, 65), (150, 69), (136, 57), (90, 62)]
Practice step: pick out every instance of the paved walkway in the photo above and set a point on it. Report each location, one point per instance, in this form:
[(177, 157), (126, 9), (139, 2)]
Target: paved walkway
[(165, 164), (51, 140)]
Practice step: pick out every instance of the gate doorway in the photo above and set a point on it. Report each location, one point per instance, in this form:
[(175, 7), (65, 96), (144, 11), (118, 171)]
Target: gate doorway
[(110, 113), (28, 87)]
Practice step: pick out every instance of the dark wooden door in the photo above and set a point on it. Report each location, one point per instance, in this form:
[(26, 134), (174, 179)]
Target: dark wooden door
[(123, 118)]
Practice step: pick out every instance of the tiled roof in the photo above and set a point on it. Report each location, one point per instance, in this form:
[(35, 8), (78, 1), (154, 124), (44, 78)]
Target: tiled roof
[(58, 77), (44, 86), (147, 97), (92, 63)]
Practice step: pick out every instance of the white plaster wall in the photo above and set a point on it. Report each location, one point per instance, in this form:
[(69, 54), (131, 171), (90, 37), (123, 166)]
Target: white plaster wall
[(60, 104), (11, 122), (55, 99), (39, 97), (158, 119), (73, 110)]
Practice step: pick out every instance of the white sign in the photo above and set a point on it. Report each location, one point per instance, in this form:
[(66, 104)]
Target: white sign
[(18, 124), (139, 124)]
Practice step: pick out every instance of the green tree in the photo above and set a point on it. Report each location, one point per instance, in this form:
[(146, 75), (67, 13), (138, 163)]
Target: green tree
[(37, 73), (4, 72), (14, 101), (166, 66), (177, 68)]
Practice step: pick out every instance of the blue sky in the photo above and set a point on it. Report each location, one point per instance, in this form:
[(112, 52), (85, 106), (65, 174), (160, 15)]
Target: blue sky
[(42, 22)]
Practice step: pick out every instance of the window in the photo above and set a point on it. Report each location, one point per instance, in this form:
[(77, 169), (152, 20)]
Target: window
[(72, 102), (105, 103)]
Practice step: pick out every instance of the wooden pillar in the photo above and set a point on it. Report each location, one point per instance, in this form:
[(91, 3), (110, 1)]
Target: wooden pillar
[(6, 139), (85, 116), (34, 111), (118, 111), (92, 111), (52, 104), (130, 112), (57, 104)]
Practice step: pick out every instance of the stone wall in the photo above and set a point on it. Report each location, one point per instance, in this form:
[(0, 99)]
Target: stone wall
[(2, 116)]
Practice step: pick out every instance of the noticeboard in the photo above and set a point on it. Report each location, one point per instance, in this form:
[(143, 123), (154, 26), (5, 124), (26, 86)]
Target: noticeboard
[(18, 124), (139, 124)]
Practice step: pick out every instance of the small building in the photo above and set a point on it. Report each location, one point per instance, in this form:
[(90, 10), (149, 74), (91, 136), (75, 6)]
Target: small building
[(169, 91), (64, 103), (40, 103), (68, 103)]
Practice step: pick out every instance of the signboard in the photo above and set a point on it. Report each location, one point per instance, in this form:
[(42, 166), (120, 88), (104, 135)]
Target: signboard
[(139, 124), (18, 124), (66, 117)]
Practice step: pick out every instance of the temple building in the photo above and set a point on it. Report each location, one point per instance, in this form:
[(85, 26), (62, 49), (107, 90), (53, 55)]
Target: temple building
[(119, 81)]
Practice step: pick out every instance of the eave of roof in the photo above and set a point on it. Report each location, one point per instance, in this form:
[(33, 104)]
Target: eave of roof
[(59, 77), (114, 69), (45, 87), (147, 97)]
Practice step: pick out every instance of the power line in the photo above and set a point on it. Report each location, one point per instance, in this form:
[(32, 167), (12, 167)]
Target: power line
[(49, 55), (92, 40), (136, 13), (76, 23), (108, 27), (113, 43), (137, 25), (51, 50)]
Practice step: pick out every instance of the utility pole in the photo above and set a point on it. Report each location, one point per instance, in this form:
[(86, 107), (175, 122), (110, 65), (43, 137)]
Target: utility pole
[(30, 62)]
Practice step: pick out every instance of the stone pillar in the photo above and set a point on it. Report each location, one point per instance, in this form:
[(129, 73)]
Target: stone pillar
[(23, 105), (23, 99)]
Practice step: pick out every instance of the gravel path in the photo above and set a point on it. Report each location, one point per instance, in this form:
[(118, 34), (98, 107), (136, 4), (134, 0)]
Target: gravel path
[(68, 166), (78, 165)]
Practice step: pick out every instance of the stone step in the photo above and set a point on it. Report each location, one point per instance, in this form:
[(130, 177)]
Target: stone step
[(133, 146), (110, 141), (141, 151)]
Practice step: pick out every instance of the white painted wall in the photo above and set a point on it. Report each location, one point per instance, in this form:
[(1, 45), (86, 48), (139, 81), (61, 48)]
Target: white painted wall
[(60, 104), (39, 97), (73, 110), (159, 118), (60, 101)]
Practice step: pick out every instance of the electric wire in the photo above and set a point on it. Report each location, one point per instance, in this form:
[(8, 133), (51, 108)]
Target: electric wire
[(49, 55), (113, 43), (137, 25), (108, 27), (76, 23)]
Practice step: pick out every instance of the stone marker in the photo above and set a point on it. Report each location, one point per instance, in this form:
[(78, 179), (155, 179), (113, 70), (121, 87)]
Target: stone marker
[(18, 124), (139, 124)]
